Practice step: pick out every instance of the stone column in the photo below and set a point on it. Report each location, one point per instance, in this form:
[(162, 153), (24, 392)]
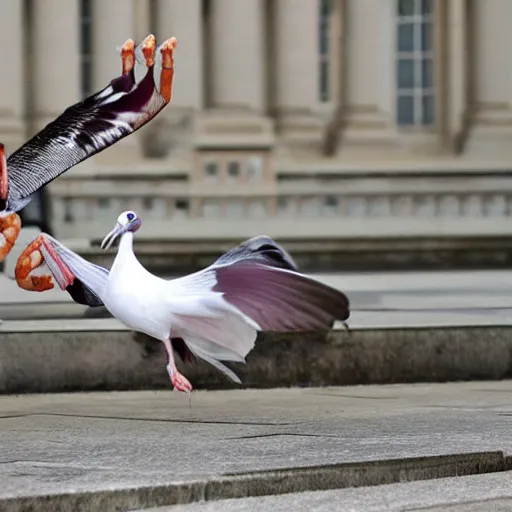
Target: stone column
[(183, 19), (297, 68), (142, 14), (113, 22), (238, 53), (12, 84), (369, 74), (455, 96), (237, 77), (55, 63), (491, 125)]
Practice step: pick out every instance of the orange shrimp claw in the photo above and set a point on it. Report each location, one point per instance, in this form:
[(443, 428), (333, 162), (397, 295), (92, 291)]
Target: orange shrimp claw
[(148, 50), (166, 77), (30, 259), (10, 227), (128, 56)]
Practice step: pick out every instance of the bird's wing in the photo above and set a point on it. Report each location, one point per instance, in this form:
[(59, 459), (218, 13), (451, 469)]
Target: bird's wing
[(280, 300), (224, 305), (40, 266), (260, 279), (81, 131), (262, 249)]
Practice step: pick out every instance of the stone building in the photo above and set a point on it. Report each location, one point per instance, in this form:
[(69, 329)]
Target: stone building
[(370, 124)]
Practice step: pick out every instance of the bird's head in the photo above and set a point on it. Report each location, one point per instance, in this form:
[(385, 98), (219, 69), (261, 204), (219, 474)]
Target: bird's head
[(127, 221)]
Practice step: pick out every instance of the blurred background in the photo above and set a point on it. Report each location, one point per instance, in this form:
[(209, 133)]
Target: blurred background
[(362, 134)]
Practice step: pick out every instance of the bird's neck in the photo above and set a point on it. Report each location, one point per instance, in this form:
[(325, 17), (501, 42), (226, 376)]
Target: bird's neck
[(126, 243), (125, 255)]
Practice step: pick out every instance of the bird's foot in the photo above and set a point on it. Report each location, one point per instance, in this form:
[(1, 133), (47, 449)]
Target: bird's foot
[(179, 381), (167, 51), (128, 56), (10, 227), (148, 47)]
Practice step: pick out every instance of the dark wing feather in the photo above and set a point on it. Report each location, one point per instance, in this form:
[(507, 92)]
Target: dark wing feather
[(81, 294), (83, 130), (90, 279), (261, 249), (280, 300)]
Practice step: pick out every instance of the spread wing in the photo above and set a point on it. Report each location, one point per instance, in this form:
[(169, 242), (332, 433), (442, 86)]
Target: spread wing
[(261, 280), (85, 129)]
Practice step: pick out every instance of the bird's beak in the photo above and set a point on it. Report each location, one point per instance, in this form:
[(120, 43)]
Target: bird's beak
[(109, 239)]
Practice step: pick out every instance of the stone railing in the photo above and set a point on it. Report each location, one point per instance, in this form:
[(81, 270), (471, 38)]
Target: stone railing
[(393, 214)]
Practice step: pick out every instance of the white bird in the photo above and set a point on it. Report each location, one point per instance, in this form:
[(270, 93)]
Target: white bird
[(214, 314), (85, 129)]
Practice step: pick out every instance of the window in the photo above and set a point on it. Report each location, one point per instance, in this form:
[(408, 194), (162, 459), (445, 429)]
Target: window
[(210, 208), (235, 208), (211, 171), (330, 205), (86, 45), (310, 206), (181, 209), (68, 210), (286, 206), (254, 168), (257, 208), (233, 171), (148, 203), (104, 202), (325, 7), (415, 80)]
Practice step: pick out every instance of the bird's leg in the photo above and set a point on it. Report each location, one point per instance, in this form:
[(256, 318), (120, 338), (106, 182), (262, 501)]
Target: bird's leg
[(128, 56), (167, 51), (179, 381), (10, 227)]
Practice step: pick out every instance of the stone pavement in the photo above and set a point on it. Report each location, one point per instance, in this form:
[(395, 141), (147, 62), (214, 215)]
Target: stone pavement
[(134, 450), (482, 293)]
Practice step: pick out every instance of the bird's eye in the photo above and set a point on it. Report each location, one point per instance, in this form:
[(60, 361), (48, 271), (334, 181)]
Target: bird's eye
[(130, 216)]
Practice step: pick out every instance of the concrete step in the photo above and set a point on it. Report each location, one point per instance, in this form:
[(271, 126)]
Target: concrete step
[(135, 450), (101, 354), (474, 493)]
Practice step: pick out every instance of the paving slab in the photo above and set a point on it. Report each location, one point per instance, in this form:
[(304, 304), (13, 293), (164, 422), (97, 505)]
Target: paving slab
[(108, 451)]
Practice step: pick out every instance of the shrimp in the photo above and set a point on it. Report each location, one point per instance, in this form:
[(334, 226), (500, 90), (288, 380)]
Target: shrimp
[(33, 257), (10, 227)]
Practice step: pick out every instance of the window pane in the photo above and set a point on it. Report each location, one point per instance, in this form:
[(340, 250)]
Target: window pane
[(428, 109), (325, 7), (426, 72), (406, 73), (324, 80), (426, 6), (211, 171), (406, 7), (255, 169), (406, 38), (426, 37), (323, 38), (233, 170), (405, 108)]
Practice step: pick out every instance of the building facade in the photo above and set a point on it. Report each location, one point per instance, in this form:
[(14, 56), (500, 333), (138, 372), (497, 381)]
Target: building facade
[(301, 119)]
